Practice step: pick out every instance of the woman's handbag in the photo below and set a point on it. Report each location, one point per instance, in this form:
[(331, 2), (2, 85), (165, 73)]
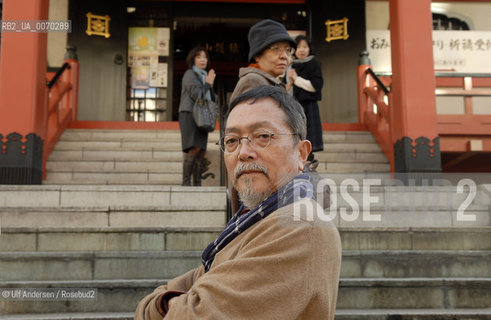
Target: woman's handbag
[(205, 114)]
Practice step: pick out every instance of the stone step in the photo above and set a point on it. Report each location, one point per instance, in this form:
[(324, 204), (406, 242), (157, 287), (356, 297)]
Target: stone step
[(413, 314), (372, 191), (124, 295), (333, 167), (175, 178), (115, 155), (365, 195), (72, 316), (341, 314), (184, 216), (160, 172), (86, 265), (123, 154), (101, 265), (328, 156), (128, 146), (393, 217), (107, 239), (440, 207), (393, 206), (162, 135), (120, 157), (113, 166), (118, 145), (412, 293), (105, 178), (213, 215), (416, 238), (127, 135), (110, 296), (379, 314), (348, 136), (73, 237), (413, 263), (162, 196), (176, 156), (174, 164)]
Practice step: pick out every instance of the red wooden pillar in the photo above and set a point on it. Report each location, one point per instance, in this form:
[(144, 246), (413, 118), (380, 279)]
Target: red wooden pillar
[(22, 95), (415, 136)]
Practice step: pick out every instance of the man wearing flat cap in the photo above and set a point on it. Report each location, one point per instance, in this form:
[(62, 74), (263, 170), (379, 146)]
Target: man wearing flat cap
[(270, 53)]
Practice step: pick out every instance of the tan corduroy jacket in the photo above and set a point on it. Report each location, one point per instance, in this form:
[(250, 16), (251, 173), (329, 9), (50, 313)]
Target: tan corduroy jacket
[(277, 269)]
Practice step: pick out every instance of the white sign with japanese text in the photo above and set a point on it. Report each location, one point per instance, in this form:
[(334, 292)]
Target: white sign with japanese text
[(453, 51)]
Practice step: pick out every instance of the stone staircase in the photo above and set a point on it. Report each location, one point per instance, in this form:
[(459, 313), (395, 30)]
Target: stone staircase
[(118, 240), (122, 157), (155, 157), (407, 254)]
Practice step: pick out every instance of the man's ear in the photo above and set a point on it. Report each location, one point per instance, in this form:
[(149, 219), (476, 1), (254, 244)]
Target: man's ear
[(304, 148)]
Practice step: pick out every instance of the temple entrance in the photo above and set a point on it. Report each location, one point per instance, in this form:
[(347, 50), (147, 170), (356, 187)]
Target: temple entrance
[(135, 74), (221, 28)]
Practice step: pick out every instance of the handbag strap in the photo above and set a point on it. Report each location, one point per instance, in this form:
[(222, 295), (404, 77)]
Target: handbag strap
[(203, 93)]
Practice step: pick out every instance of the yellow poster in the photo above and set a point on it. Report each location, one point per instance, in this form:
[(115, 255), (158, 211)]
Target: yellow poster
[(142, 41), (145, 45)]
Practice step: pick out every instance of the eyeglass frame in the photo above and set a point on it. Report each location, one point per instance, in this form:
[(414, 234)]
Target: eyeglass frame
[(221, 143), (290, 51)]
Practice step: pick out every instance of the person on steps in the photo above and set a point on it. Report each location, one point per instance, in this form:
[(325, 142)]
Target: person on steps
[(270, 54), (196, 81), (306, 78)]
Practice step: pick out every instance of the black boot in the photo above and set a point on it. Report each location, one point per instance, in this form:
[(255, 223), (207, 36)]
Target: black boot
[(197, 171), (187, 168)]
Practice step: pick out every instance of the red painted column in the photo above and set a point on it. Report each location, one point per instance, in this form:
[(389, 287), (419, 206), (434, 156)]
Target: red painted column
[(22, 94), (415, 136)]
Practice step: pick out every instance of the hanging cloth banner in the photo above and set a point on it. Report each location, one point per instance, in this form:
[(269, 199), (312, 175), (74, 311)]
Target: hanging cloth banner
[(453, 51)]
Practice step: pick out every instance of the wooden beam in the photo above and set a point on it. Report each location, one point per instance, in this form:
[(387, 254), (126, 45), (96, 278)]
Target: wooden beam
[(456, 144)]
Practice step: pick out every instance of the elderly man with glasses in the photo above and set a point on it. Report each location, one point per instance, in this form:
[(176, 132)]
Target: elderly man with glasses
[(274, 259)]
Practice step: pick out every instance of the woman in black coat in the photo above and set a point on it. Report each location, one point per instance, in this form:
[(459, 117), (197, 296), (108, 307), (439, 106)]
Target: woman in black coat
[(195, 82), (306, 79)]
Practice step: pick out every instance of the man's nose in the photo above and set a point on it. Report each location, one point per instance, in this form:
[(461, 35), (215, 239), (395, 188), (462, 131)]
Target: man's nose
[(246, 150)]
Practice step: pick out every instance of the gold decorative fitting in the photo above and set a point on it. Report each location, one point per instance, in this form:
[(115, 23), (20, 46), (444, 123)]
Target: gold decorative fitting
[(98, 25), (337, 29)]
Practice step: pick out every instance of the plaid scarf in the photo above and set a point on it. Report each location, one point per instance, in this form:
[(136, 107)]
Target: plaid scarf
[(300, 187)]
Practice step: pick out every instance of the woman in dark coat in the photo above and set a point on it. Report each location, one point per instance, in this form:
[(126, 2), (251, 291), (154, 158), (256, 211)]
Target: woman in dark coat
[(196, 81), (306, 78), (270, 52)]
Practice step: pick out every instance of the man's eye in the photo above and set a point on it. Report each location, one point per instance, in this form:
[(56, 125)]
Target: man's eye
[(230, 141), (263, 136)]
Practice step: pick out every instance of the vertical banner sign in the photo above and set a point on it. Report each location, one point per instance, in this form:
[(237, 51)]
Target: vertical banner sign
[(453, 51)]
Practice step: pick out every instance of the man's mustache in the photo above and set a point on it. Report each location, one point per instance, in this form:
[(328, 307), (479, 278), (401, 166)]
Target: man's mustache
[(252, 166)]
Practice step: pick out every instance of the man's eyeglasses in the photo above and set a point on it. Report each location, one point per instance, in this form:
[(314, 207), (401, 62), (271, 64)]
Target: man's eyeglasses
[(279, 50), (258, 139)]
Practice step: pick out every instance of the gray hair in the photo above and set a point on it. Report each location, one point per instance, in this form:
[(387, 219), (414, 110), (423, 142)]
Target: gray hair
[(295, 115)]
